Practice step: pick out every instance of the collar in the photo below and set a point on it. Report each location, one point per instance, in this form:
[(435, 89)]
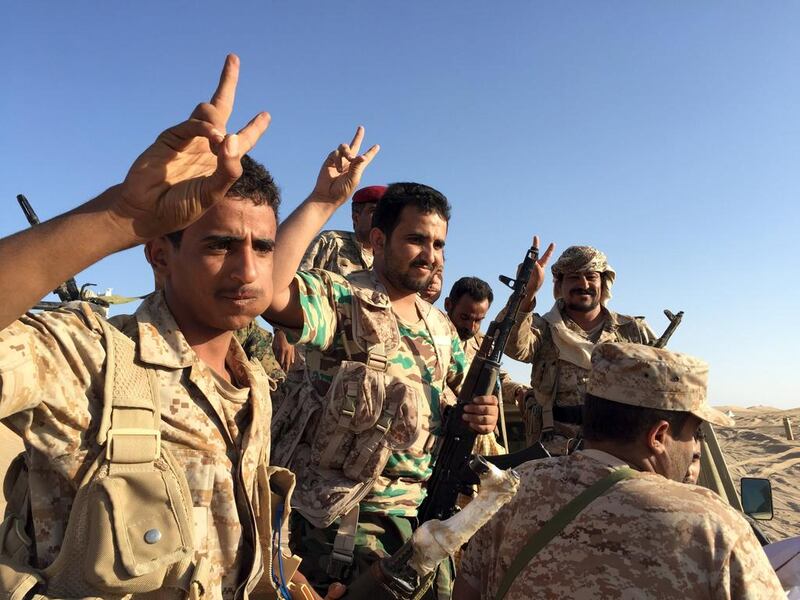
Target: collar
[(605, 458), (160, 339)]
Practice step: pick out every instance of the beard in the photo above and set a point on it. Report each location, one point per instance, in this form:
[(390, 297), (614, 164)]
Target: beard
[(579, 303), (464, 334), (400, 275)]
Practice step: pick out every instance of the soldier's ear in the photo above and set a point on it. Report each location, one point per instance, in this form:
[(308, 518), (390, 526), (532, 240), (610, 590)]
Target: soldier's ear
[(657, 437), (157, 254), (377, 238), (448, 305)]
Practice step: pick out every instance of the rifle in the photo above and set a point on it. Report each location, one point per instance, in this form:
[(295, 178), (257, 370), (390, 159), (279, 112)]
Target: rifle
[(67, 291), (674, 321), (451, 472)]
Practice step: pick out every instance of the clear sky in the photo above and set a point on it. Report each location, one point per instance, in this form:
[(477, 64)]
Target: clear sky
[(666, 134)]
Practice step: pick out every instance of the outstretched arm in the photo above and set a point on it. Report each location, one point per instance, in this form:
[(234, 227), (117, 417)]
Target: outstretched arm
[(187, 169), (337, 180)]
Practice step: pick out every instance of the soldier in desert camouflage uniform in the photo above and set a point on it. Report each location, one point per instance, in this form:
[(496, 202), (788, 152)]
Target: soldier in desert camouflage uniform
[(648, 535), (559, 343), (340, 252), (210, 228), (466, 305), (375, 319)]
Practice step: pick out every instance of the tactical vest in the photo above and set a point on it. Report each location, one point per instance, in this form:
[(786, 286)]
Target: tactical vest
[(557, 384), (338, 442), (130, 529)]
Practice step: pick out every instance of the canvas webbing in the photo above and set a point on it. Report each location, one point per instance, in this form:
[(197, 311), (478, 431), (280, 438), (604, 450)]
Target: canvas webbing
[(556, 525)]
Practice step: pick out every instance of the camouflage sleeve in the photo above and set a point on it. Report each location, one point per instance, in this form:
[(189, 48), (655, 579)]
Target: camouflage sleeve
[(510, 388), (458, 366), (524, 339), (748, 574), (322, 296), (316, 256), (51, 366)]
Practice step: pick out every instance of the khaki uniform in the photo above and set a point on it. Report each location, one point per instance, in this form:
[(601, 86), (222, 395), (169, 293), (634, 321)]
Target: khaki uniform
[(647, 537), (559, 351), (51, 394), (338, 252)]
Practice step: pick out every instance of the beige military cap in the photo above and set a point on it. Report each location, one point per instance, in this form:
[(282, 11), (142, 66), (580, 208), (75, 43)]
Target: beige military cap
[(653, 378)]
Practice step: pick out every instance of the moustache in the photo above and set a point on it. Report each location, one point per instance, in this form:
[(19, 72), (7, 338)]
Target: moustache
[(422, 264), (590, 292), (247, 291)]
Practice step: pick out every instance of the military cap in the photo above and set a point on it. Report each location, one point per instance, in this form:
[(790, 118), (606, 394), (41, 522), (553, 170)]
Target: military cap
[(650, 377), (371, 193), (583, 259)]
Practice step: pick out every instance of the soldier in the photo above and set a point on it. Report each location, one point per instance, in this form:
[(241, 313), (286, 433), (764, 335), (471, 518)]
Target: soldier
[(340, 252), (559, 343), (379, 357), (633, 529), (152, 441), (467, 304)]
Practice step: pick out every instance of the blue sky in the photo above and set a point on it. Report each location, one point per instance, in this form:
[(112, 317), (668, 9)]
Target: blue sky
[(666, 134)]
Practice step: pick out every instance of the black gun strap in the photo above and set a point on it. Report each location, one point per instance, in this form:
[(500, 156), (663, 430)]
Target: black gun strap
[(556, 525)]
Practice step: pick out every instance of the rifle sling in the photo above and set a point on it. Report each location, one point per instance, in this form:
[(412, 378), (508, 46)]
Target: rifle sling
[(556, 525)]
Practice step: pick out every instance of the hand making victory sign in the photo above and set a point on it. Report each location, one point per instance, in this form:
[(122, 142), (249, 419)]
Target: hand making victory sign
[(537, 276), (187, 169), (190, 166)]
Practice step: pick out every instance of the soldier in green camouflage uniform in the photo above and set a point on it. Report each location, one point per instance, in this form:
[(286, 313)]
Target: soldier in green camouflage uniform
[(560, 342), (340, 252), (257, 343), (346, 322)]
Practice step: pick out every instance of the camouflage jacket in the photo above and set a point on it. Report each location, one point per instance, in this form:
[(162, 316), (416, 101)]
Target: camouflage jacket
[(51, 394), (257, 343), (555, 381), (425, 360), (647, 537), (338, 252)]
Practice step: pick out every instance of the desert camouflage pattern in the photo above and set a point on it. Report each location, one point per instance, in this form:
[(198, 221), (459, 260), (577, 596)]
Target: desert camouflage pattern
[(338, 252), (647, 537), (559, 381), (584, 259), (52, 370), (427, 359), (257, 343), (653, 378)]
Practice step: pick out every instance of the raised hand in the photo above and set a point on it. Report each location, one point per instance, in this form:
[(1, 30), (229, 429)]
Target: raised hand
[(189, 167), (341, 172), (537, 276)]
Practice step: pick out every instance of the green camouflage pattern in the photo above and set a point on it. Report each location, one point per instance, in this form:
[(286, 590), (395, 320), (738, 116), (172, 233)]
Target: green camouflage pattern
[(426, 356), (338, 252), (257, 343), (647, 537)]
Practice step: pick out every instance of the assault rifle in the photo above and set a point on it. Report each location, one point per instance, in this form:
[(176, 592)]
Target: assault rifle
[(674, 321), (451, 472), (67, 291)]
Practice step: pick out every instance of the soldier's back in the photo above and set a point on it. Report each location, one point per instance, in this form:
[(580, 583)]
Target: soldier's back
[(647, 537)]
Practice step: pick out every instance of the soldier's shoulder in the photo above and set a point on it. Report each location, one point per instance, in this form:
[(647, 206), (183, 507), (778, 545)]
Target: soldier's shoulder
[(682, 502), (335, 234)]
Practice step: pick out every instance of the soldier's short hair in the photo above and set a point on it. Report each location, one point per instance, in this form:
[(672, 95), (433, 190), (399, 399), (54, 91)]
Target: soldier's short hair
[(475, 288), (608, 421), (399, 195), (255, 184)]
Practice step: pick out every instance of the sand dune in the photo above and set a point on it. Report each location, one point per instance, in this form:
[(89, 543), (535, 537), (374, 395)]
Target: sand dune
[(757, 447)]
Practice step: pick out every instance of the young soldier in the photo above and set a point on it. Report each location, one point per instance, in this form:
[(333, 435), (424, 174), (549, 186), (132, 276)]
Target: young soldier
[(148, 450)]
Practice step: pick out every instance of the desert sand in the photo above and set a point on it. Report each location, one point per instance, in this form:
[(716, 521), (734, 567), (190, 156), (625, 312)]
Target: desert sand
[(755, 447)]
